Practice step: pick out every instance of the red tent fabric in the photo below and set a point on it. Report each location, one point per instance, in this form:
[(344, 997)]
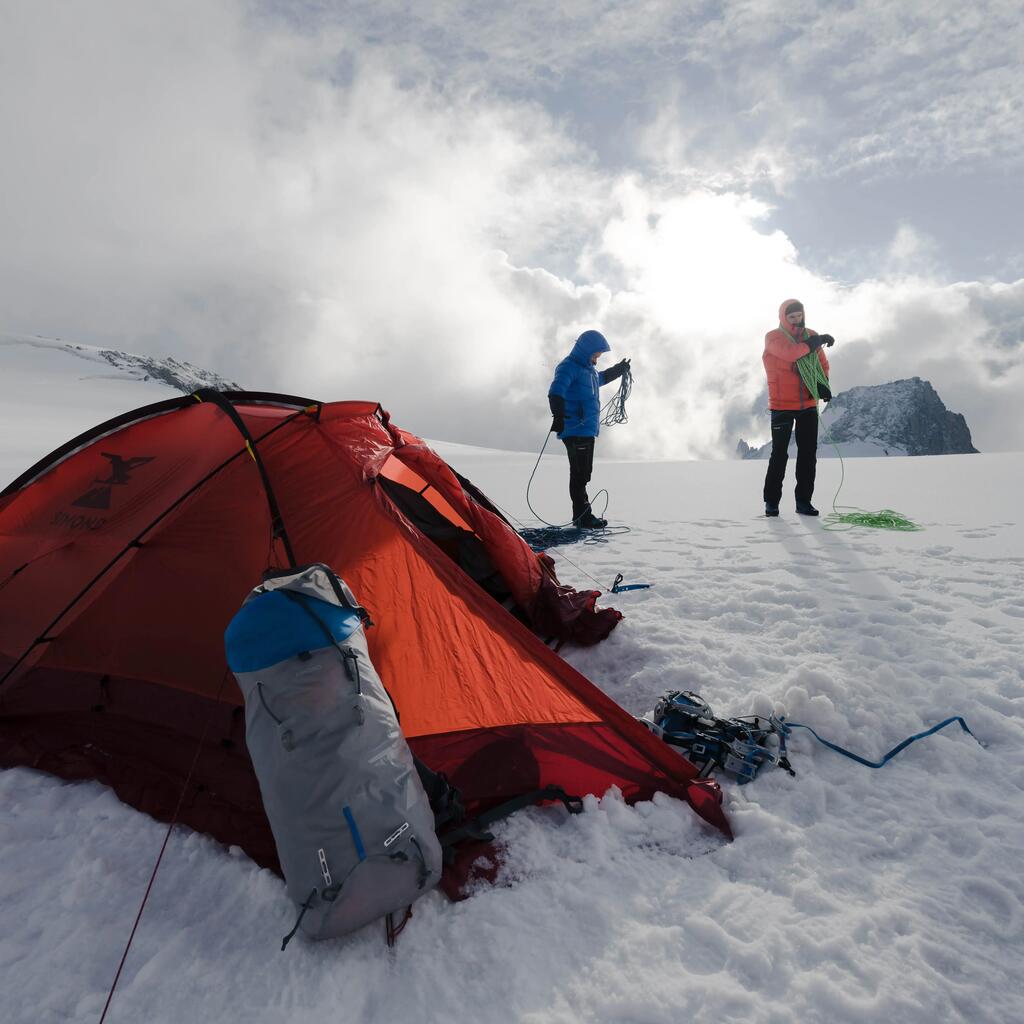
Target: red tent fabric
[(124, 555)]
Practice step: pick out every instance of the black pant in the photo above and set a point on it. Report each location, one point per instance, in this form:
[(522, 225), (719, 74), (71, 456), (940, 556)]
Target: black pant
[(581, 464), (806, 421)]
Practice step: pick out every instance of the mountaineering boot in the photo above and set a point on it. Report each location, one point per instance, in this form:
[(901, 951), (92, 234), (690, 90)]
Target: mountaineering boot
[(805, 508), (770, 509), (588, 521), (585, 519)]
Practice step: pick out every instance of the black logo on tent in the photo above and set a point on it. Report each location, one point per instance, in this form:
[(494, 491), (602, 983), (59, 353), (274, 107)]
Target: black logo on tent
[(120, 473)]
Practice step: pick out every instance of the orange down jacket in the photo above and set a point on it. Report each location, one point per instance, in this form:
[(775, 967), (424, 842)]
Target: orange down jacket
[(782, 348)]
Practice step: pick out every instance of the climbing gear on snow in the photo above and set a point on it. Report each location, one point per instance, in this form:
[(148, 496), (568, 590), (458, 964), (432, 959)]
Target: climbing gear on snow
[(541, 538), (737, 746), (618, 587), (740, 746)]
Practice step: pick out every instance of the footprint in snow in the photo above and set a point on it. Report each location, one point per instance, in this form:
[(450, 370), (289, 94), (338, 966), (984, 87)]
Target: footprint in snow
[(993, 903)]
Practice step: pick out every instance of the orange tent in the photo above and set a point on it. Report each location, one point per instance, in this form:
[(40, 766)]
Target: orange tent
[(124, 554)]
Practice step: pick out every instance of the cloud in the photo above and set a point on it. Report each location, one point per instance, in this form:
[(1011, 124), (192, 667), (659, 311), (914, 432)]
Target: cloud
[(813, 88), (304, 210), (278, 204), (867, 90), (700, 281), (967, 338)]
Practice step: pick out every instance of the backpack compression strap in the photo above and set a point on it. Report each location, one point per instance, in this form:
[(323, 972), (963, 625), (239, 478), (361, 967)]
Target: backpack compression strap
[(476, 828)]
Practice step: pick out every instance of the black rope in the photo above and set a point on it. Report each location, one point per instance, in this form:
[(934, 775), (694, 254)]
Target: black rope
[(302, 913), (614, 411), (540, 538)]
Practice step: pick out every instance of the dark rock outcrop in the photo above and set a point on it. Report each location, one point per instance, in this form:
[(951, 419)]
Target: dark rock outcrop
[(904, 417)]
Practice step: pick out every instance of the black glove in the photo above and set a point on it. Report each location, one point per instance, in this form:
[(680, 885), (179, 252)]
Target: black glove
[(824, 393), (616, 371), (826, 339), (815, 342), (557, 405)]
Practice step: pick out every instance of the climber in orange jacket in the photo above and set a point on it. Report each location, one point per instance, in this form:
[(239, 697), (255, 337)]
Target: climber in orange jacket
[(792, 404)]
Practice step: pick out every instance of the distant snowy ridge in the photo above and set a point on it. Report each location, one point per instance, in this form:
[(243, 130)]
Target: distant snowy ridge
[(177, 374), (180, 375), (904, 417)]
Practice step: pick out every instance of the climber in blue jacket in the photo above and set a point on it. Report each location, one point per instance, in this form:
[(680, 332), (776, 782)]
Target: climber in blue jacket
[(576, 416)]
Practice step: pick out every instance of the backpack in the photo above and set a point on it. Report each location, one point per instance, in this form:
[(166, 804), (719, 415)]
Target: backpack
[(352, 823), (736, 746)]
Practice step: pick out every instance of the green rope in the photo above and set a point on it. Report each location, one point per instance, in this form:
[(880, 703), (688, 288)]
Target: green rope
[(812, 373)]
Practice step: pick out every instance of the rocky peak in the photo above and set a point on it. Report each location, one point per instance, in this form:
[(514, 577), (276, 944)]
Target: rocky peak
[(177, 374), (903, 417)]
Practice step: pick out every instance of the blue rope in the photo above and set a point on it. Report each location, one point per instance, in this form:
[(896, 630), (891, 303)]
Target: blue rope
[(892, 753)]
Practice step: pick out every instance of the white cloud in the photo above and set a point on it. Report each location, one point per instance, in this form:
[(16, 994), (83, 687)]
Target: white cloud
[(869, 87), (213, 192), (701, 284), (748, 86), (304, 211)]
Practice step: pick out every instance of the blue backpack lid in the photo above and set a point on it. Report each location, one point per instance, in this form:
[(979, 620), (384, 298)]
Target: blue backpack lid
[(271, 628)]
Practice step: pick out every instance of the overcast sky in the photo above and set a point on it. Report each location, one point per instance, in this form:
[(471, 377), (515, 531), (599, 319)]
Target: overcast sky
[(424, 204)]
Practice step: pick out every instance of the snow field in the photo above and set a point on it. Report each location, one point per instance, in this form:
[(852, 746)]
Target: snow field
[(848, 895)]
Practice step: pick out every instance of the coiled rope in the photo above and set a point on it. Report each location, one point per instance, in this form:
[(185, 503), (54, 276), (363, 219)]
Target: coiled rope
[(614, 411), (845, 517)]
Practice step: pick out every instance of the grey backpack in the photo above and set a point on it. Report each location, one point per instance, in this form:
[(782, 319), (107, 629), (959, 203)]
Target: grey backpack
[(353, 826)]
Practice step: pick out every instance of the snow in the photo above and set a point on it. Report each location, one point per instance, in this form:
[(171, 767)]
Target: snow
[(859, 449), (61, 389), (848, 895)]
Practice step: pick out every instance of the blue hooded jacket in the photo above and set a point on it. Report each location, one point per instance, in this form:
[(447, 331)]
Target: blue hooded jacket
[(578, 382)]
